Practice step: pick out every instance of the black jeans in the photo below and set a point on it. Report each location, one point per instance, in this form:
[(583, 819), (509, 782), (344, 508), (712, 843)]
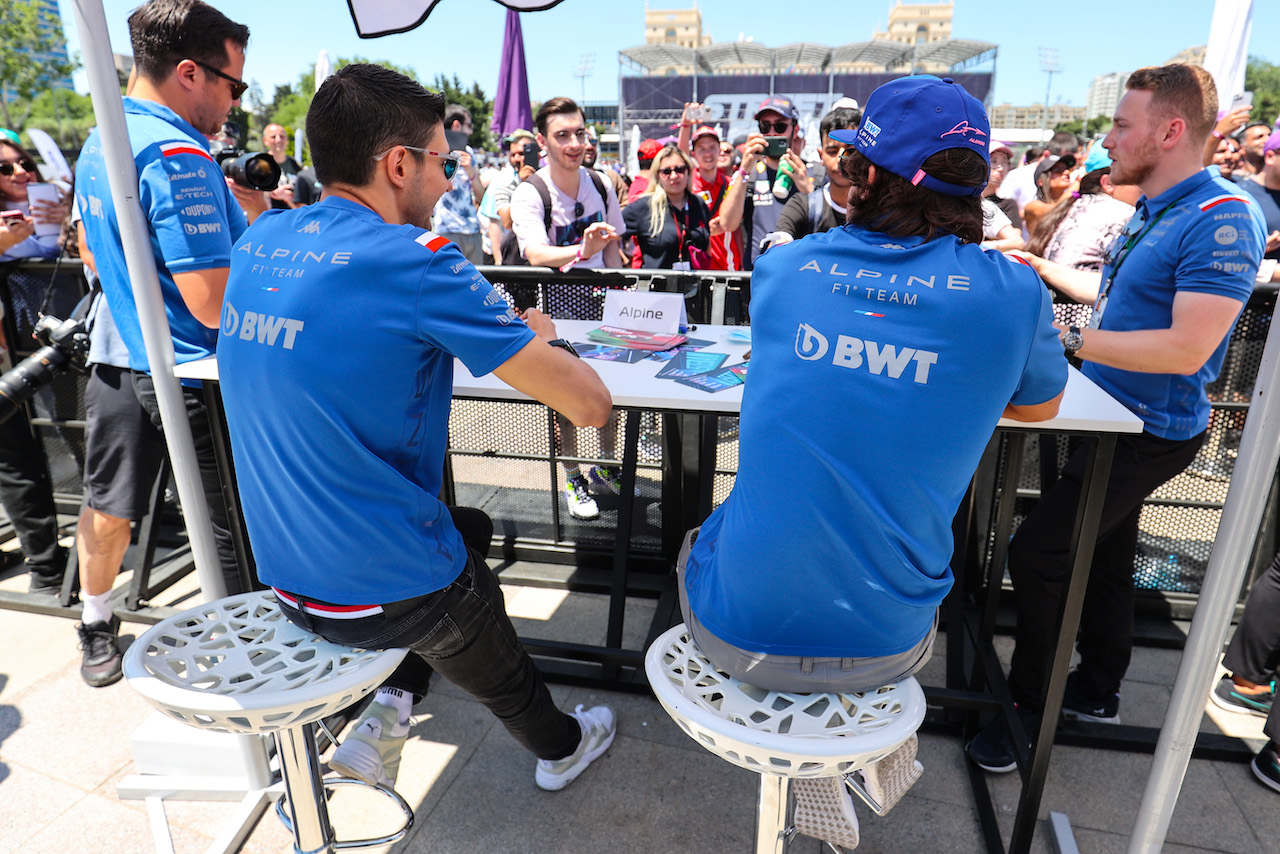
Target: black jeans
[(1040, 569), (27, 496), (202, 438), (1254, 650), (463, 632)]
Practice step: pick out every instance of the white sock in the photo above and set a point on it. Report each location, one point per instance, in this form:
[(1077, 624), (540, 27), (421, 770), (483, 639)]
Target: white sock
[(97, 608), (401, 701)]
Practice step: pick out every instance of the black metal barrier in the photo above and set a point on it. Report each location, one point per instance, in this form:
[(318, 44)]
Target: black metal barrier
[(503, 456), (56, 412)]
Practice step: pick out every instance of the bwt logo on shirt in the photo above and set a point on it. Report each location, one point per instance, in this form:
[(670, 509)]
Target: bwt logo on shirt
[(202, 228), (265, 328), (854, 353)]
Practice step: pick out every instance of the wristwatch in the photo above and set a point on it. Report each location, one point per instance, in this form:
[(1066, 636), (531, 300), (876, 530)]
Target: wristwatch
[(564, 345), (1072, 341)]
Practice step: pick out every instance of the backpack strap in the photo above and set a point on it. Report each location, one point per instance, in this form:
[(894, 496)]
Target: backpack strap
[(598, 180), (545, 194)]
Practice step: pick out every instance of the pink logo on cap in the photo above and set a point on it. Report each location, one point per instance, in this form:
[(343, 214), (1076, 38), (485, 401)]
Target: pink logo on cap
[(965, 127)]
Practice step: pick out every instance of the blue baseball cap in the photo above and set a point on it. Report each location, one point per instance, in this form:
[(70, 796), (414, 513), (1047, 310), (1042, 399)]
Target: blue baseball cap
[(907, 121), (1099, 158)]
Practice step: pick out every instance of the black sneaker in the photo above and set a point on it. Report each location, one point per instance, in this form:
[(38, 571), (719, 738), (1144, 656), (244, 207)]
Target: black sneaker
[(1266, 767), (991, 750), (1077, 707), (100, 641), (1226, 696)]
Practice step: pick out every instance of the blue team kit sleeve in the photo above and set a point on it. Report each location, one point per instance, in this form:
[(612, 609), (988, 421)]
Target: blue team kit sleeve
[(460, 312), (1045, 375), (1222, 247), (192, 213)]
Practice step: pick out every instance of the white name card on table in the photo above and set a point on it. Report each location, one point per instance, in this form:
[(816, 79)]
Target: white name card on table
[(647, 312)]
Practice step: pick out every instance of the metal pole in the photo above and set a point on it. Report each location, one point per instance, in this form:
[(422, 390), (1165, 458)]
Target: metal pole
[(1246, 497), (108, 109)]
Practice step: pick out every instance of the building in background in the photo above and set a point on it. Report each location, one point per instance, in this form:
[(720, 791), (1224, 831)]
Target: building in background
[(1189, 56), (51, 25), (917, 23), (1032, 117), (679, 27), (1104, 94)]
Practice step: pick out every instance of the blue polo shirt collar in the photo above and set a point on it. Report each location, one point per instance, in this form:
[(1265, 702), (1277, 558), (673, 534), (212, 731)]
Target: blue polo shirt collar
[(143, 107), (1149, 206)]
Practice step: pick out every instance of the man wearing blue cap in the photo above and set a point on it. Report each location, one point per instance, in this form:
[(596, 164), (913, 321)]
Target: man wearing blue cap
[(1164, 305), (838, 590)]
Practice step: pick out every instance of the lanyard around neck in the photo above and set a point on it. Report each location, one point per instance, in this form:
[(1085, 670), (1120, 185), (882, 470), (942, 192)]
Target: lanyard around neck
[(1122, 254)]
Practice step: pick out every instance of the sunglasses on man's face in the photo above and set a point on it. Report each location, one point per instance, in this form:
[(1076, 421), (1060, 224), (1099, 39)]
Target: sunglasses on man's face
[(780, 126), (448, 162), (673, 170), (238, 86), (8, 168)]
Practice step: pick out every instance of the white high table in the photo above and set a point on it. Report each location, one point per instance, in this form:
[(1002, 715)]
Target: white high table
[(1086, 409)]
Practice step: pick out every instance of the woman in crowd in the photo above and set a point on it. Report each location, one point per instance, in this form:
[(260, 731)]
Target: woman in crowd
[(1053, 183), (667, 221), (17, 234)]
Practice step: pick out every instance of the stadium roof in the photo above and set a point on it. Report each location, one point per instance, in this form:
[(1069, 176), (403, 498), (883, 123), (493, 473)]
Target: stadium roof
[(882, 53)]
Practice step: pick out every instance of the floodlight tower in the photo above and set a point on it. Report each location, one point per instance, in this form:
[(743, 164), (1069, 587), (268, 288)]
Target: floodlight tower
[(1049, 65), (586, 65)]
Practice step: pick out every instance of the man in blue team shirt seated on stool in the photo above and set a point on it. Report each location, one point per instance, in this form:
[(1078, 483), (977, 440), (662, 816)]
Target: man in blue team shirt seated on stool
[(339, 331), (884, 353)]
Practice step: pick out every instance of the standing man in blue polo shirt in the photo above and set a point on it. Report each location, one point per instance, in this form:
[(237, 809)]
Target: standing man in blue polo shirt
[(340, 465), (189, 59), (1164, 307)]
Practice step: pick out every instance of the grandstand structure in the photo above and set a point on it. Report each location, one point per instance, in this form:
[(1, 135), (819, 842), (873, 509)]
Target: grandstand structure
[(655, 80)]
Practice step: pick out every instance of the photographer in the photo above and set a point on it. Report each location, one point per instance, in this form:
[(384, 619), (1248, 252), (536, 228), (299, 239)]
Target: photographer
[(190, 60)]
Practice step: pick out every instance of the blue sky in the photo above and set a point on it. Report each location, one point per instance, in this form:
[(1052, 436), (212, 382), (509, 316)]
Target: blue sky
[(464, 37)]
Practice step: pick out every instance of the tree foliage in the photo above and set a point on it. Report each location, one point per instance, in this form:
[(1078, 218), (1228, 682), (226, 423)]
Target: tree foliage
[(289, 103), (21, 36), (1262, 78)]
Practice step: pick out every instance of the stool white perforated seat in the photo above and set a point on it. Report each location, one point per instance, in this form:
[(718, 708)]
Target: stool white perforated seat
[(780, 735), (238, 665)]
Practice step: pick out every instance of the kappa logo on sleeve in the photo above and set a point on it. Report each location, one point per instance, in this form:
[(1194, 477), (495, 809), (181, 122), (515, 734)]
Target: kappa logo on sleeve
[(312, 227)]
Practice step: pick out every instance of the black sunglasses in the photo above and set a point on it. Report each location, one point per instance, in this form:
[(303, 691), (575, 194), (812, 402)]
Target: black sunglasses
[(7, 169), (674, 170), (238, 87), (780, 126)]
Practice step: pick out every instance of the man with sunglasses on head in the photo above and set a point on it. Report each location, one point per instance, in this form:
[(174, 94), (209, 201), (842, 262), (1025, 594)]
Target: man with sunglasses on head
[(340, 464), (752, 188), (189, 59)]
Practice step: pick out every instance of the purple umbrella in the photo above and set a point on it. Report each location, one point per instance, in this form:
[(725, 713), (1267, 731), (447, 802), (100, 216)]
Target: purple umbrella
[(511, 109)]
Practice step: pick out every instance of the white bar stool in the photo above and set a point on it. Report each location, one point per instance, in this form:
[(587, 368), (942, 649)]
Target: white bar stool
[(238, 665), (781, 736)]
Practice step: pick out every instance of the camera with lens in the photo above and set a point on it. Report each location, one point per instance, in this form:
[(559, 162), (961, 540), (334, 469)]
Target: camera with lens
[(257, 170), (65, 346)]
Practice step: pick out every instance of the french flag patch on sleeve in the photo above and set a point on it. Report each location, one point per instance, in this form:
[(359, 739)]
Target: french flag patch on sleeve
[(431, 241), (169, 149), (1218, 200)]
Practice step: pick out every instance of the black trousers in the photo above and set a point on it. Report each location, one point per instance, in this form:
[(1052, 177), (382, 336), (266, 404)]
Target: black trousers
[(1040, 569), (1254, 650), (202, 438), (27, 496)]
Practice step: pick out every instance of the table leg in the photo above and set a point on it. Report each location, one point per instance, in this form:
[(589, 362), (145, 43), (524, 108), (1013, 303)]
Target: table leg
[(1088, 516), (622, 545)]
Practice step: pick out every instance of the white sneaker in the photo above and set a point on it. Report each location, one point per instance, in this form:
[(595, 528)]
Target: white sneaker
[(371, 752), (577, 494), (598, 730)]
